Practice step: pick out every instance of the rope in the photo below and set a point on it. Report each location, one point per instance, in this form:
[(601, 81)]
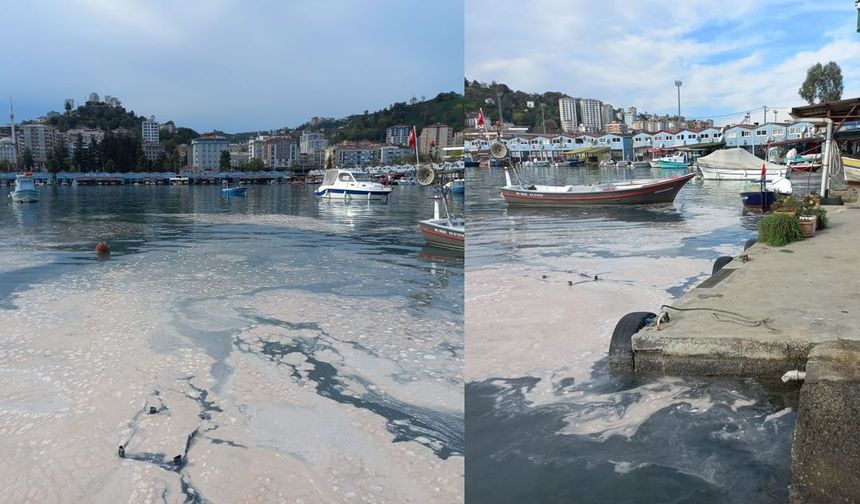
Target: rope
[(719, 315)]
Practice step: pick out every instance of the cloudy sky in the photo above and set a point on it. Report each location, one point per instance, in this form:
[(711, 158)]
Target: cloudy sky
[(228, 64), (732, 55)]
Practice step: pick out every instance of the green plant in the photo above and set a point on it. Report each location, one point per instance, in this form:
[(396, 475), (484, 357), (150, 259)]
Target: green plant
[(777, 230), (790, 203), (822, 217)]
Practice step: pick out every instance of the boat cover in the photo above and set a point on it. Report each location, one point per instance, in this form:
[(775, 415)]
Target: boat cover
[(736, 159)]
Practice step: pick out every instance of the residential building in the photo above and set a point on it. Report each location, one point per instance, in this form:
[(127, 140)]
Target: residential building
[(206, 152), (435, 135), (256, 147), (152, 150), (591, 114), (567, 114), (396, 153), (150, 130), (39, 139), (617, 127), (630, 117), (238, 155), (7, 150), (87, 136), (607, 115), (312, 142), (353, 154), (756, 136), (397, 135), (281, 151)]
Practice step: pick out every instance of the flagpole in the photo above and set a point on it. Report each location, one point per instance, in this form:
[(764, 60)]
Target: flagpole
[(415, 136)]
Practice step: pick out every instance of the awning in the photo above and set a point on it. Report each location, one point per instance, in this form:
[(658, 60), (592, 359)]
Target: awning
[(586, 150)]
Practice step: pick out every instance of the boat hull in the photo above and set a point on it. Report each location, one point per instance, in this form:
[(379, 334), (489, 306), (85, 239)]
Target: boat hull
[(672, 165), (25, 196), (758, 200), (350, 194), (234, 191), (442, 236), (714, 173), (851, 168), (662, 191)]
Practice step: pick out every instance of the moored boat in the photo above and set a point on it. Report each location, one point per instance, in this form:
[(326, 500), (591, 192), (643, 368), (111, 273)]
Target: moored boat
[(232, 191), (457, 186), (345, 184), (630, 192), (851, 168), (25, 189), (737, 164), (675, 161), (448, 231)]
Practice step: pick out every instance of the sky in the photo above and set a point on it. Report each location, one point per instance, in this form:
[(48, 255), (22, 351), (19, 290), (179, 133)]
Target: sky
[(731, 55), (230, 65)]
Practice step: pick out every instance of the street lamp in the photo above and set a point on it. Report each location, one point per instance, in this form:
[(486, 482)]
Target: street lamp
[(678, 85)]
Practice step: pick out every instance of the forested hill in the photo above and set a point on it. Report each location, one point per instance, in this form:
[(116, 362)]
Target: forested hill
[(445, 108), (514, 105)]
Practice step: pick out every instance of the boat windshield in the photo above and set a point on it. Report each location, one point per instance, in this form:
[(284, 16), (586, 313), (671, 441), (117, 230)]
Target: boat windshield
[(361, 177), (330, 177)]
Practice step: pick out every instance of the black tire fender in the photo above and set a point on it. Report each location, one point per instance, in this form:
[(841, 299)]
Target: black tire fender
[(749, 243), (621, 345), (720, 262)]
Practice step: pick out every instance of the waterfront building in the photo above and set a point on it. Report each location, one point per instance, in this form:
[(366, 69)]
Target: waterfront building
[(526, 146), (389, 154), (435, 135), (591, 114), (281, 151), (39, 139), (397, 135), (756, 136), (206, 152), (567, 114), (7, 150), (313, 145), (150, 130), (256, 146), (353, 154)]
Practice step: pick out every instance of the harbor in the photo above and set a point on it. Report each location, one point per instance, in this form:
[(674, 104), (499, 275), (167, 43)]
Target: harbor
[(309, 349)]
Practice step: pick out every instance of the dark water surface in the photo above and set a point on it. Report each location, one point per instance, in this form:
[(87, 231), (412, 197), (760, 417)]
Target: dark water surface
[(706, 441)]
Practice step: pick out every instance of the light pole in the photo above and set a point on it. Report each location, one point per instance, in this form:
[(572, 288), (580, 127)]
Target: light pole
[(678, 85), (542, 119), (499, 101), (774, 115)]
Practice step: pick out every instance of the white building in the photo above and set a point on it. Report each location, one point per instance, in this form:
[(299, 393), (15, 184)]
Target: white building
[(630, 116), (39, 139), (256, 146), (607, 115), (591, 114), (567, 113), (7, 150), (206, 152), (150, 130), (397, 135), (312, 142)]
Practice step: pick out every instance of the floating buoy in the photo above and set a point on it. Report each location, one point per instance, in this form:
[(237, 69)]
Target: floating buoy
[(121, 451), (102, 248)]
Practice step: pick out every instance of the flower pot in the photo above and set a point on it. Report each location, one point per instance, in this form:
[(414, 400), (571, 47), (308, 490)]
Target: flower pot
[(808, 225)]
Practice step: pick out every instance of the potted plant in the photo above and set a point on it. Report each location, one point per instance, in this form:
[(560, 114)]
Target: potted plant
[(779, 229), (808, 215), (788, 205)]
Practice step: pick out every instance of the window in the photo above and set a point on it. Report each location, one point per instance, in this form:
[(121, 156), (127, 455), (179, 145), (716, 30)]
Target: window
[(745, 133), (761, 133), (778, 132)]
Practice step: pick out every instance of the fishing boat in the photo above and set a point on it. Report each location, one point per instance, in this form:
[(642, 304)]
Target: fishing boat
[(851, 168), (25, 189), (763, 198), (737, 164), (345, 184), (641, 164), (676, 161), (457, 186), (630, 192), (232, 191), (448, 232)]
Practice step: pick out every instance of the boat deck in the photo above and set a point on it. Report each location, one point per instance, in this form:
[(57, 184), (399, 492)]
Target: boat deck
[(790, 298)]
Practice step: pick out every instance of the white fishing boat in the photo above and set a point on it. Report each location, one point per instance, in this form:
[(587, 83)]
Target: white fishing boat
[(678, 161), (25, 189), (737, 164), (448, 231), (345, 184)]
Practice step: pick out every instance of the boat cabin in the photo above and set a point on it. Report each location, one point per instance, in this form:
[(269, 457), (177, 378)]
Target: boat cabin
[(333, 177)]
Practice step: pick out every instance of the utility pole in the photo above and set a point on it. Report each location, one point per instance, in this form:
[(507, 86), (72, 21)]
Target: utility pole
[(499, 102), (774, 115), (765, 114), (678, 85), (542, 119)]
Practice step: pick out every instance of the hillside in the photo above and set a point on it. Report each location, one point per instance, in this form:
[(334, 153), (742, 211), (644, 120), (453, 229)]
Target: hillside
[(446, 108), (514, 105)]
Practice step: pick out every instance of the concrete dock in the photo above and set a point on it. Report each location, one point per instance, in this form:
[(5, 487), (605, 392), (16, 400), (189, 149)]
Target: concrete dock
[(763, 315)]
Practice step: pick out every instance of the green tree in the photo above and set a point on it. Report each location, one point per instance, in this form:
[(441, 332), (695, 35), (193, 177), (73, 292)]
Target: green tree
[(68, 107), (58, 157), (27, 159), (224, 160), (78, 154), (6, 165), (93, 160), (255, 164), (822, 84)]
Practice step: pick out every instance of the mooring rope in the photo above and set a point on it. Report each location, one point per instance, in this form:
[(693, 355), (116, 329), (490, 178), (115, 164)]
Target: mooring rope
[(719, 315)]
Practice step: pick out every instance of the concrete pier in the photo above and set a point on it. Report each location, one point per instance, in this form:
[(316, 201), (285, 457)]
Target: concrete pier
[(826, 449), (762, 317)]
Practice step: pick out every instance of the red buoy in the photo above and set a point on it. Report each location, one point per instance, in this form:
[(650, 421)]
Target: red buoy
[(102, 248)]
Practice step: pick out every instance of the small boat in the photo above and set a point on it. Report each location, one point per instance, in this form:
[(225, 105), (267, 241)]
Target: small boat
[(641, 164), (805, 167), (457, 186), (232, 191), (447, 232), (573, 162), (764, 197), (470, 163), (851, 168), (25, 189), (737, 164), (345, 184), (675, 161), (179, 180), (630, 192)]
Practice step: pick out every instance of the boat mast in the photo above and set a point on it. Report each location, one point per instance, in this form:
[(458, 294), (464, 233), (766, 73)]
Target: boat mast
[(14, 137)]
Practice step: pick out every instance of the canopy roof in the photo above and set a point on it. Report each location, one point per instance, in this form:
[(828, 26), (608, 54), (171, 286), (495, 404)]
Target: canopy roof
[(838, 108)]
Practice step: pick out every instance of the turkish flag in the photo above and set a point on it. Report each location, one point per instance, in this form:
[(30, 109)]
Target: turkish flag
[(763, 170), (412, 137), (480, 121)]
